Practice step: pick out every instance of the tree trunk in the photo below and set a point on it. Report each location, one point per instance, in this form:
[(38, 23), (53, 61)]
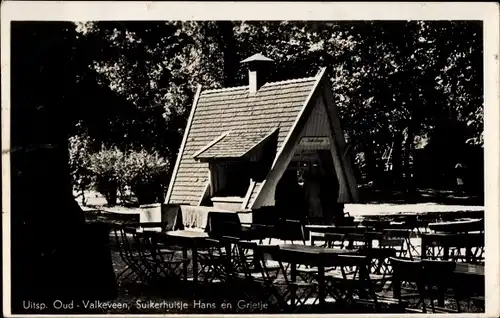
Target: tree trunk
[(371, 164), (410, 185), (54, 254), (397, 153)]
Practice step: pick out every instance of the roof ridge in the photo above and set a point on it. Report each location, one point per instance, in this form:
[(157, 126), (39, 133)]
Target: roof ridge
[(292, 80), (224, 89), (300, 79)]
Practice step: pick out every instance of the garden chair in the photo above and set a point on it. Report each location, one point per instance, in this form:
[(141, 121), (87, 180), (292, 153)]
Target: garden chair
[(439, 282), (468, 248), (223, 224), (289, 295), (290, 230), (380, 270), (351, 285), (137, 255), (246, 278), (396, 244), (337, 240), (408, 273), (358, 240), (131, 270), (164, 260), (399, 239), (432, 280), (214, 261)]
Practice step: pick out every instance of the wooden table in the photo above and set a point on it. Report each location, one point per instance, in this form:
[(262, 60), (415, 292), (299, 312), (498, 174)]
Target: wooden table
[(472, 272), (458, 226), (469, 269), (451, 240), (189, 239), (321, 230), (313, 256)]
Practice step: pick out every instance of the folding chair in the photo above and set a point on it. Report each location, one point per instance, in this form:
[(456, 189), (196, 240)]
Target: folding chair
[(129, 256), (214, 261), (358, 240), (291, 230), (396, 244), (139, 255), (438, 278), (247, 272), (288, 295), (352, 287), (409, 272), (432, 280), (163, 259), (380, 270), (468, 248), (400, 239)]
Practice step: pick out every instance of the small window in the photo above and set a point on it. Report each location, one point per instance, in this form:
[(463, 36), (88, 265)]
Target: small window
[(231, 179)]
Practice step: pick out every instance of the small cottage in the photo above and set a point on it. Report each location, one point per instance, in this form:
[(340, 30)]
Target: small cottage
[(264, 144)]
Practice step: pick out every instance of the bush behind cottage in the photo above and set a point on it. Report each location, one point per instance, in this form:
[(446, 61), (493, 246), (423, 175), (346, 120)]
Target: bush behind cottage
[(146, 175), (112, 172), (106, 166)]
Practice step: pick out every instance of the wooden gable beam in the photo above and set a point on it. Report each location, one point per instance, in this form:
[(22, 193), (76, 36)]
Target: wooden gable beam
[(338, 133), (285, 154)]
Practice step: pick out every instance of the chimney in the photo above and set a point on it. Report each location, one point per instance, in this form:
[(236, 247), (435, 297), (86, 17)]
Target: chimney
[(257, 65)]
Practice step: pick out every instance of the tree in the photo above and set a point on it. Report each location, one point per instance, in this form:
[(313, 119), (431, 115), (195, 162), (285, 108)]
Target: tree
[(49, 242)]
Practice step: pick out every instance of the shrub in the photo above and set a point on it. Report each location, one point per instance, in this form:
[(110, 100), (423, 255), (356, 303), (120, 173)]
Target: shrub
[(79, 162), (107, 168), (145, 173)]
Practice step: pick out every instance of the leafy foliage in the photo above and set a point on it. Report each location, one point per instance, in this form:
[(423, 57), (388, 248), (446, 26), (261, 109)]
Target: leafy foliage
[(107, 167), (116, 173), (79, 163), (396, 83), (146, 175)]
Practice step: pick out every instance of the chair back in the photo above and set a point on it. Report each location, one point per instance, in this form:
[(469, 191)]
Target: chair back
[(242, 256), (223, 224), (291, 230), (267, 215), (266, 253), (437, 272), (406, 270), (123, 244), (379, 259), (171, 216), (360, 240)]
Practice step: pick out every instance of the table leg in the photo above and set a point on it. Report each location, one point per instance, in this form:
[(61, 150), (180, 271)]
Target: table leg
[(468, 254), (186, 264), (293, 278), (153, 246), (396, 285), (409, 246), (423, 247), (321, 285), (195, 265), (446, 253)]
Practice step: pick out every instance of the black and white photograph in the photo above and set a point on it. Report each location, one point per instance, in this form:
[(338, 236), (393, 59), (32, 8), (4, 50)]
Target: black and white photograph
[(268, 158)]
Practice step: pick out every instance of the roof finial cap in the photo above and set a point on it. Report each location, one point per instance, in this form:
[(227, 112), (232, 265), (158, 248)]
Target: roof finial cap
[(259, 57)]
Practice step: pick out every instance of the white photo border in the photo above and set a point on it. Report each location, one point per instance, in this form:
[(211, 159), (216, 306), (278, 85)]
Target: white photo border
[(487, 12)]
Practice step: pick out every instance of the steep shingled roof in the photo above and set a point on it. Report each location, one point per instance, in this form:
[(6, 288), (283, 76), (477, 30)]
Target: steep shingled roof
[(275, 105)]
